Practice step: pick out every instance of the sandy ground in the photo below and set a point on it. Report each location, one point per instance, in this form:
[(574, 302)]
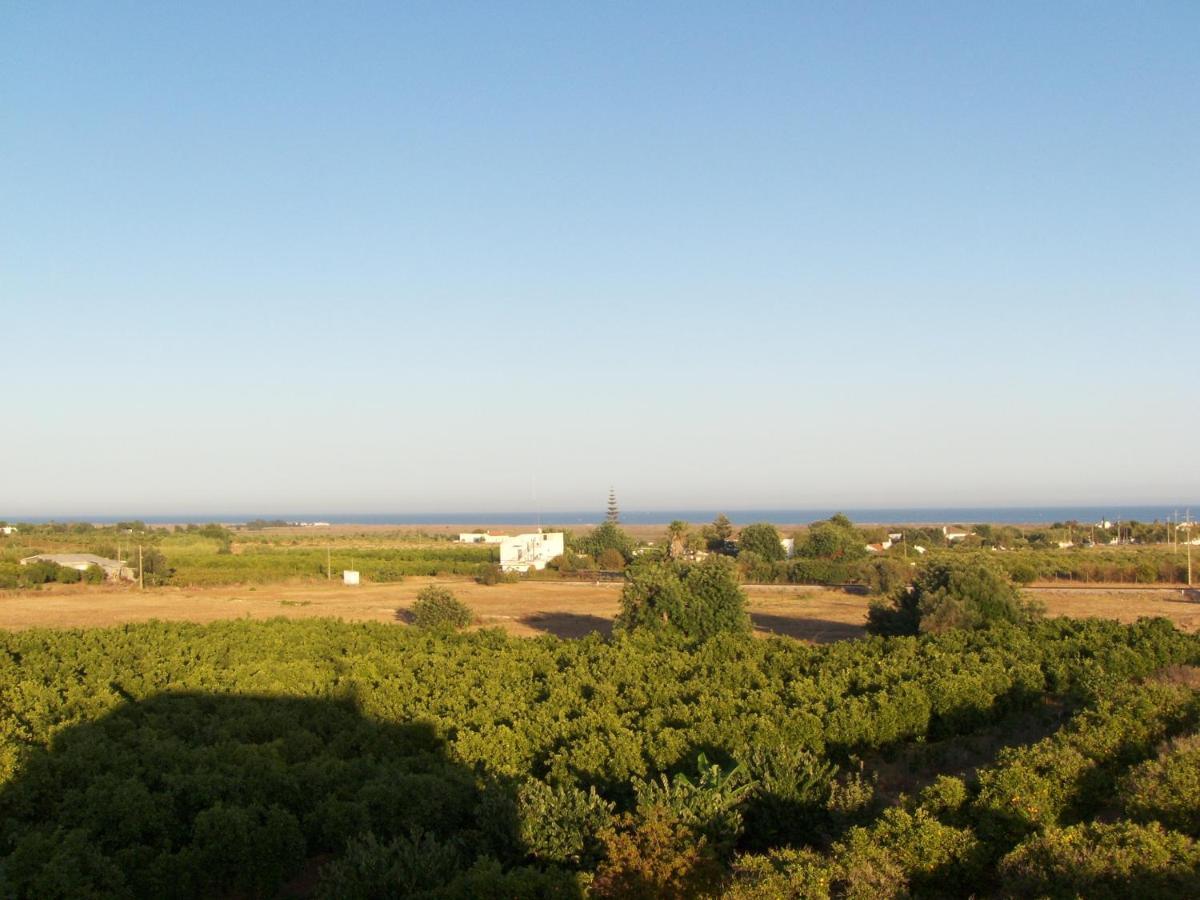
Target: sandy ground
[(567, 609)]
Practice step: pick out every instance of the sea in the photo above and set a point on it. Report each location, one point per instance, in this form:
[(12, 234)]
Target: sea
[(936, 515)]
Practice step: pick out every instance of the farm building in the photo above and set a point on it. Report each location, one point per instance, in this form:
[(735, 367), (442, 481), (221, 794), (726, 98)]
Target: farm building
[(530, 551), (480, 537), (789, 546), (114, 570)]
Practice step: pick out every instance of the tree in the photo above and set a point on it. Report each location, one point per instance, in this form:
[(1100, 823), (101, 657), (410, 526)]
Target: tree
[(761, 538), (715, 601), (611, 559), (438, 609), (614, 513), (697, 602), (717, 534), (607, 536), (652, 597), (836, 538), (677, 539), (951, 594)]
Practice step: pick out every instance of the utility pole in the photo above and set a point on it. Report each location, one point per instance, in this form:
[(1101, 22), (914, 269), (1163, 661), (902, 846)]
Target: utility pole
[(1189, 546), (141, 571), (328, 563)]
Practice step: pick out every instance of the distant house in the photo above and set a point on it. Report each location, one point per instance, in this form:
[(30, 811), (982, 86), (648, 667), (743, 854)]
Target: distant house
[(880, 546), (480, 537), (954, 533), (530, 551), (789, 547), (8, 529), (919, 549), (114, 570)]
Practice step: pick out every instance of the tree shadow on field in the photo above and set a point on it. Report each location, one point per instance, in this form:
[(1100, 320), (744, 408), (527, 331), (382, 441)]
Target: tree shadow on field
[(820, 631), (203, 795), (405, 616), (568, 625)]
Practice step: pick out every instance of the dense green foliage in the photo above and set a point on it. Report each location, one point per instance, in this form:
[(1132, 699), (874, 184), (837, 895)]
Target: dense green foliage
[(948, 593), (437, 608), (608, 541), (761, 538), (229, 759), (694, 602)]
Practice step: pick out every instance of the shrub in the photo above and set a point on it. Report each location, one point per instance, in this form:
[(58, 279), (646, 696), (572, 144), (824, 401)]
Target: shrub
[(438, 609), (491, 573), (950, 594), (561, 824), (763, 539), (654, 856), (885, 575), (67, 575), (781, 873), (611, 559), (755, 568), (1100, 861), (1167, 789), (698, 602)]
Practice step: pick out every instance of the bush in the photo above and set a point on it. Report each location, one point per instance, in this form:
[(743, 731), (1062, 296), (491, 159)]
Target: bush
[(561, 824), (67, 575), (950, 594), (1104, 861), (654, 856), (611, 559), (1167, 789), (762, 538), (491, 574), (438, 609)]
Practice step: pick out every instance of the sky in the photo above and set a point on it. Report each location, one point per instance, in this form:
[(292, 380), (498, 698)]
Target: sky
[(463, 256)]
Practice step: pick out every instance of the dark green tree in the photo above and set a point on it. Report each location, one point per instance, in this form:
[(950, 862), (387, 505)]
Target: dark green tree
[(717, 534), (836, 538), (951, 594), (761, 538), (696, 602), (607, 536), (613, 516)]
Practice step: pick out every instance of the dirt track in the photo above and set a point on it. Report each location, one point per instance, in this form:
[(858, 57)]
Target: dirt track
[(563, 608)]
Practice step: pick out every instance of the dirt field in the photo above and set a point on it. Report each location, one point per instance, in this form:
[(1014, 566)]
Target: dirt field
[(563, 608)]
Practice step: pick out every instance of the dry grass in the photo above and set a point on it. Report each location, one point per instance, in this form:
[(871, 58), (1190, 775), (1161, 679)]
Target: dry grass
[(568, 609)]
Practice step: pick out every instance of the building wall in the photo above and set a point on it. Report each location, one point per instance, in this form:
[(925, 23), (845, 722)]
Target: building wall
[(530, 551)]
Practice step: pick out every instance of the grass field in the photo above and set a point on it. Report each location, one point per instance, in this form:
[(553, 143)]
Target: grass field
[(566, 609)]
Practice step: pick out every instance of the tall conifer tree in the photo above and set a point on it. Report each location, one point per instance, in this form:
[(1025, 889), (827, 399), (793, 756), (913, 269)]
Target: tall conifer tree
[(614, 513)]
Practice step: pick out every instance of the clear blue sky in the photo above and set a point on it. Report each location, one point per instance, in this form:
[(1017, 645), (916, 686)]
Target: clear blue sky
[(410, 256)]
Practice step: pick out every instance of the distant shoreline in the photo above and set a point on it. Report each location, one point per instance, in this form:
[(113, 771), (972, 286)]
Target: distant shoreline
[(901, 516)]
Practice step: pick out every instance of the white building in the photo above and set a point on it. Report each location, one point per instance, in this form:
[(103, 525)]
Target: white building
[(8, 529), (530, 551), (481, 537), (954, 534), (789, 547)]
